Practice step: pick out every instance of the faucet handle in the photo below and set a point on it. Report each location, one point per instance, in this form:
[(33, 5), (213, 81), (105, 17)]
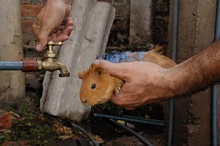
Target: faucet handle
[(51, 43), (50, 52)]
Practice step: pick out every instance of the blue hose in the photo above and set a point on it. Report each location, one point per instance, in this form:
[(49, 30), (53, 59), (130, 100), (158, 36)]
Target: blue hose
[(144, 119), (130, 119), (214, 88), (86, 133), (146, 142), (11, 65), (174, 45)]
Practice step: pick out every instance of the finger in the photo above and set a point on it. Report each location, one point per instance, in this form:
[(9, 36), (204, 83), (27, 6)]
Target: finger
[(59, 32), (42, 39), (35, 29), (60, 38), (61, 28), (116, 69), (69, 22), (67, 30), (129, 108), (62, 35), (68, 9), (117, 101)]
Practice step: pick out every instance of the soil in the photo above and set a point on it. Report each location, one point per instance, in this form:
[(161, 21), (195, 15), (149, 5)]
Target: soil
[(32, 127)]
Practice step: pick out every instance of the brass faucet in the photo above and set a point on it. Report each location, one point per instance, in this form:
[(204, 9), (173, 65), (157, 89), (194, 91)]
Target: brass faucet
[(49, 63)]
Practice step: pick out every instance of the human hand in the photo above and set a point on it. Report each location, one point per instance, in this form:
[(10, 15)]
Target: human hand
[(48, 23), (144, 83)]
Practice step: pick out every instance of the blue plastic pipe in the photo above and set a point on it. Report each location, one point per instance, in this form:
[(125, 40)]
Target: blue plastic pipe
[(174, 45), (144, 119), (214, 88), (146, 142), (11, 65), (214, 115), (130, 119)]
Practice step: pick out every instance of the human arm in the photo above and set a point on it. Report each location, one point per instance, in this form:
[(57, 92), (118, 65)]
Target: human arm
[(48, 23), (148, 83)]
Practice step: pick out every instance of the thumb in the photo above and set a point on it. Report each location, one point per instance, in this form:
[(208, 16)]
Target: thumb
[(119, 70), (43, 38)]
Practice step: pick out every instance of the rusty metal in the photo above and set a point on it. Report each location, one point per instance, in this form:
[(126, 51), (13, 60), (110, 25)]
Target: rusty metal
[(29, 65)]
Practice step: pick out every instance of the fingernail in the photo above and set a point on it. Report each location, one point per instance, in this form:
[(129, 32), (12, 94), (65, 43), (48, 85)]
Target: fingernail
[(39, 47)]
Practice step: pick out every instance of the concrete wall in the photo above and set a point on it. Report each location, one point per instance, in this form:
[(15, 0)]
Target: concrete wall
[(12, 87), (196, 29)]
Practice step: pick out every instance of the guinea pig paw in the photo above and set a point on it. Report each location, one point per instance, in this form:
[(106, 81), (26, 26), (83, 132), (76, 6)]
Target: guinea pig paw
[(117, 91)]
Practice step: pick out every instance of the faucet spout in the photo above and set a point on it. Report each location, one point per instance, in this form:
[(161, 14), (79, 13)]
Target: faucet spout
[(63, 70), (50, 64)]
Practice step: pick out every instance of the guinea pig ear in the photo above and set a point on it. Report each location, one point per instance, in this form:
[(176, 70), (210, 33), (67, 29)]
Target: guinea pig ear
[(81, 74), (97, 69)]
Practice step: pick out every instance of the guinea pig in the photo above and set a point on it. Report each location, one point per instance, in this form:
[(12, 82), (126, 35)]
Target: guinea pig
[(98, 86)]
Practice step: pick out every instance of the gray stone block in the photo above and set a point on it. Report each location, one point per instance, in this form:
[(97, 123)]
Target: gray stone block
[(92, 23)]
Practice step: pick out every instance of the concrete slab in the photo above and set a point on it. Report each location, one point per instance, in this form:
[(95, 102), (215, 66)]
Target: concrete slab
[(92, 22)]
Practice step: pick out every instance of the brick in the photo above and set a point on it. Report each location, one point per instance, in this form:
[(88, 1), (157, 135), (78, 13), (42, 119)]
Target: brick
[(28, 36), (27, 25), (30, 9)]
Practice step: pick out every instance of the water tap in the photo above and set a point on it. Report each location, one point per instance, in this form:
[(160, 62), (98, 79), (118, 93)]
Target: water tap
[(49, 62)]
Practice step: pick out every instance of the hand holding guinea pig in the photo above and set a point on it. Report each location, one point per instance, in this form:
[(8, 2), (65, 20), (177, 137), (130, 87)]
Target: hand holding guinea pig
[(98, 86)]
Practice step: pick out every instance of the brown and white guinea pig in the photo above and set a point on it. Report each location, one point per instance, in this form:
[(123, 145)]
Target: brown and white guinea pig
[(98, 86)]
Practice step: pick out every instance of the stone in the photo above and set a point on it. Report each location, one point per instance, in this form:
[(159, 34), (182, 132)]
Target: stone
[(92, 24)]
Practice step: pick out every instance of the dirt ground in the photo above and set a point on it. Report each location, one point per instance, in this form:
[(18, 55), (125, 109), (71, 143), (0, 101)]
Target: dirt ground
[(34, 128)]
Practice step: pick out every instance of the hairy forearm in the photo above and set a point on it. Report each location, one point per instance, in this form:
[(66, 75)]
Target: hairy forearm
[(198, 72)]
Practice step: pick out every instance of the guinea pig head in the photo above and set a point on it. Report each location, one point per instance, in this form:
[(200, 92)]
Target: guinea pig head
[(97, 85)]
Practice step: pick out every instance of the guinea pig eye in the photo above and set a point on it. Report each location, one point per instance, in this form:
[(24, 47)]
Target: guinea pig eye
[(93, 86)]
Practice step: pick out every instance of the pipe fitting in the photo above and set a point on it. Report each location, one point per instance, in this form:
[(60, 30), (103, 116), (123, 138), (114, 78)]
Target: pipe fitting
[(29, 65), (49, 63)]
